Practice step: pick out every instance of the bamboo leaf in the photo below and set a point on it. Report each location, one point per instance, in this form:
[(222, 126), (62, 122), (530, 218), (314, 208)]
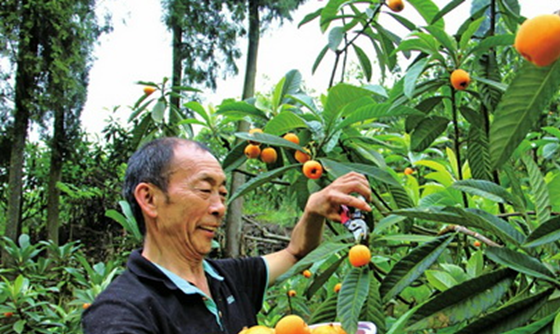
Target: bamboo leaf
[(508, 317), (323, 251), (412, 266), (260, 180), (351, 297), (521, 105), (538, 189), (463, 301), (520, 262), (428, 130), (547, 232), (412, 75)]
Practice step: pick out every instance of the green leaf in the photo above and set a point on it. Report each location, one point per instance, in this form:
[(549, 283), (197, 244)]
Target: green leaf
[(321, 279), (351, 297), (547, 232), (326, 311), (493, 42), (412, 266), (19, 326), (478, 155), (448, 8), (375, 111), (469, 31), (539, 190), (520, 262), (240, 109), (430, 213), (481, 219), (285, 121), (462, 302), (329, 13), (508, 317), (199, 109), (412, 75), (365, 63), (319, 59), (323, 251), (335, 37), (292, 84), (488, 190), (158, 110), (535, 327), (529, 93), (556, 326), (340, 168), (235, 158), (447, 41), (428, 130), (440, 280), (260, 180), (372, 310), (428, 10), (272, 140), (338, 97)]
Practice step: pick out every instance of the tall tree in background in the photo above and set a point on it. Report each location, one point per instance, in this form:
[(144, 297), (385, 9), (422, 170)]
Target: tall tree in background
[(71, 29), (271, 10)]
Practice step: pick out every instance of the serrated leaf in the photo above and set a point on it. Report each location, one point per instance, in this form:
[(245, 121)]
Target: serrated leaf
[(545, 233), (521, 106), (372, 310), (323, 251), (520, 262), (412, 75), (463, 301), (478, 155), (412, 266), (539, 190), (285, 121), (351, 297), (235, 157), (428, 130), (320, 279), (340, 168), (326, 311), (365, 63), (508, 317), (260, 180)]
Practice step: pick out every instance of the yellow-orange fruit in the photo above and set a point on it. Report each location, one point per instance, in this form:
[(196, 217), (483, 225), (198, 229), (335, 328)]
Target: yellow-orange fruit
[(291, 324), (396, 5), (359, 255), (476, 244), (149, 90), (460, 79), (252, 131), (312, 169), (252, 151), (292, 293), (292, 137), (408, 171), (302, 157), (306, 273), (269, 155), (337, 287), (258, 329), (86, 305), (328, 329), (538, 39), (8, 314)]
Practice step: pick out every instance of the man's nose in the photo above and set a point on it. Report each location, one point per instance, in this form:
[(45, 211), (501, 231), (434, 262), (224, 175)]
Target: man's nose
[(217, 207)]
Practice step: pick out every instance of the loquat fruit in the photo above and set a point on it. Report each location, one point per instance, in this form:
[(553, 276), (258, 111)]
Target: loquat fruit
[(302, 157), (253, 131), (291, 324), (292, 137), (149, 90), (306, 273), (292, 293), (460, 79), (476, 243), (359, 255), (337, 287), (269, 155), (538, 39), (396, 5), (8, 314), (312, 169), (252, 151), (408, 171)]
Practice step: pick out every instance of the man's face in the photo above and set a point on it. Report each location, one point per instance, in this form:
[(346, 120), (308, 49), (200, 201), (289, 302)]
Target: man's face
[(188, 219)]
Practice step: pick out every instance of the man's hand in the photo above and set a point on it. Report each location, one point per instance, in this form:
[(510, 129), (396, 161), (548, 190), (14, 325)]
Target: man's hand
[(326, 203)]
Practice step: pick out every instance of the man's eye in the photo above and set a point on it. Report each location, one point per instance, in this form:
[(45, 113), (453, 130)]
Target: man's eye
[(206, 190)]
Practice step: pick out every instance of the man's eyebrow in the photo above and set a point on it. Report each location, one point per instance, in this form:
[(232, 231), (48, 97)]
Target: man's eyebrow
[(210, 179)]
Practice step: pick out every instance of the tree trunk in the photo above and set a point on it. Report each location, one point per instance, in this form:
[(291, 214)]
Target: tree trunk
[(177, 70), (55, 172), (25, 84), (234, 223)]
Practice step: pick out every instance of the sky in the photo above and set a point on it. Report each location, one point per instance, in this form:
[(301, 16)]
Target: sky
[(139, 49)]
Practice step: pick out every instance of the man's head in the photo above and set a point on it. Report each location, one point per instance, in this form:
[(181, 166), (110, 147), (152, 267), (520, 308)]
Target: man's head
[(151, 164)]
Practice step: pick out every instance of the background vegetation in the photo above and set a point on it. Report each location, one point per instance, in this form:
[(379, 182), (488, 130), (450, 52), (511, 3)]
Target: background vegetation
[(467, 242)]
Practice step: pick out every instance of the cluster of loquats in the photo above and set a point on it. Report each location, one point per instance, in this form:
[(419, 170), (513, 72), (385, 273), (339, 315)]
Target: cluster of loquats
[(294, 324), (311, 168)]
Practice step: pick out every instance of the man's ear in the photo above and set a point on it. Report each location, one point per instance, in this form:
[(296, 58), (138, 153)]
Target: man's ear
[(145, 194)]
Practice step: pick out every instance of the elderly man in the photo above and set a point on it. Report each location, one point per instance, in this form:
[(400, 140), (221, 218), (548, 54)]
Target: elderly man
[(177, 190)]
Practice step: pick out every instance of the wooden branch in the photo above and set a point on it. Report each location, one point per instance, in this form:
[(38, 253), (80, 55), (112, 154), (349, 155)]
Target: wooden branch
[(464, 230)]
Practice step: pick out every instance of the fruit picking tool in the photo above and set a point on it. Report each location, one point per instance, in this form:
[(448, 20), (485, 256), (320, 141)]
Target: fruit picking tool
[(354, 222)]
